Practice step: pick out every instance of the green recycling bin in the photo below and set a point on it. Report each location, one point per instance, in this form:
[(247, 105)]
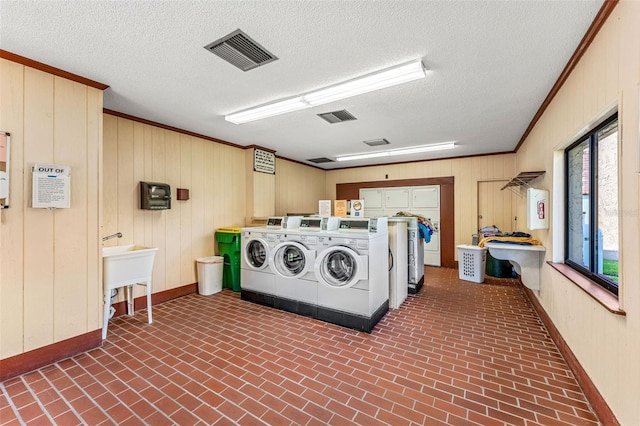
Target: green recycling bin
[(229, 247)]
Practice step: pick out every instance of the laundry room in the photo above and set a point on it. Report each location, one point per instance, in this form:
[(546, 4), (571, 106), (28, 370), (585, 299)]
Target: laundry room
[(425, 231)]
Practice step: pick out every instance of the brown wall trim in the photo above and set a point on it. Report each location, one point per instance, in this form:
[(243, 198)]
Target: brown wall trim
[(599, 20), (594, 397), (29, 361), (173, 129), (350, 191), (301, 163), (156, 298), (608, 300), (261, 148), (424, 161), (51, 70)]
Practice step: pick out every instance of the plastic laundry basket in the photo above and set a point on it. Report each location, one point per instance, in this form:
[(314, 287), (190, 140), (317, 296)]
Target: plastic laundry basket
[(472, 262), (210, 274)]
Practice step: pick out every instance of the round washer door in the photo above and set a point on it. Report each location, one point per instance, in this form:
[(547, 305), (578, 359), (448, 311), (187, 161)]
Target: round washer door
[(341, 267), (291, 259), (256, 254)]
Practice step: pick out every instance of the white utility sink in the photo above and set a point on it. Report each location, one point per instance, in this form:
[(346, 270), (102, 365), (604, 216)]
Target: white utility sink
[(125, 266)]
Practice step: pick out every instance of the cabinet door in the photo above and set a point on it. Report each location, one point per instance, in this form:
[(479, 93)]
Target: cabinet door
[(397, 198), (426, 197), (372, 198)]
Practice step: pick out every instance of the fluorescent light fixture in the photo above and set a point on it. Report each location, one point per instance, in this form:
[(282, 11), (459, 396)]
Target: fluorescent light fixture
[(406, 151), (269, 110), (368, 83), (379, 80)]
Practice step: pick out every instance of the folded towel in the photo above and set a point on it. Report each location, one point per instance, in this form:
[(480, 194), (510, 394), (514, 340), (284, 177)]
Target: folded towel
[(509, 240)]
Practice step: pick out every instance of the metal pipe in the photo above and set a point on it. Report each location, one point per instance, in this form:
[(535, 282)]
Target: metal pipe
[(108, 237)]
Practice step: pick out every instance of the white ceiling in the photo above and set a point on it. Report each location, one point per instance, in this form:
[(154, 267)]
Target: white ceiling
[(490, 66)]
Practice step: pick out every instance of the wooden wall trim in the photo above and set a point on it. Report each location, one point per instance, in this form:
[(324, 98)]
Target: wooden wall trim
[(51, 70), (170, 128), (598, 403), (350, 191), (156, 298), (590, 35), (37, 358)]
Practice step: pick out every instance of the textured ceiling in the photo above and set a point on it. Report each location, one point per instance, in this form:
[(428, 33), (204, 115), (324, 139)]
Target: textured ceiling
[(490, 66)]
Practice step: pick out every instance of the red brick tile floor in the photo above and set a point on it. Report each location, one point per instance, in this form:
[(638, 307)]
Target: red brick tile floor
[(457, 353)]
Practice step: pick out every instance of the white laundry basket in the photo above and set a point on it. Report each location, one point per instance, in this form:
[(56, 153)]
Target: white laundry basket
[(210, 274), (472, 262)]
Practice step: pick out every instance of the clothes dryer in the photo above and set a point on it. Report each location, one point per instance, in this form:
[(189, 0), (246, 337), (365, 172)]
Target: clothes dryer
[(352, 272)]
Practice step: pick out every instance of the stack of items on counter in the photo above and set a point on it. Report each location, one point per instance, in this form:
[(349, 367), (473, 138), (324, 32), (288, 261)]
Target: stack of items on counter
[(425, 226), (491, 234)]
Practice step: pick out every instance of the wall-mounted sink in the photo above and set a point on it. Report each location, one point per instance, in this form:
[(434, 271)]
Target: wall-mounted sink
[(125, 266)]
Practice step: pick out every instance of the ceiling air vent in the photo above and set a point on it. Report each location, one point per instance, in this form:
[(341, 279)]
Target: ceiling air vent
[(320, 160), (241, 51), (337, 116), (377, 142)]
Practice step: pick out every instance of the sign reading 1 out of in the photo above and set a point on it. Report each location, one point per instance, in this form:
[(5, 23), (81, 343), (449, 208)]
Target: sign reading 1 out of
[(51, 186)]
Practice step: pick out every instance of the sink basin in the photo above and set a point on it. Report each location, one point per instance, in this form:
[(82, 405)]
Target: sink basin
[(125, 266)]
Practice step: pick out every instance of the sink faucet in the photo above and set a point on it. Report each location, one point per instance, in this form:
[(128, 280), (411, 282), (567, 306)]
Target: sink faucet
[(116, 235)]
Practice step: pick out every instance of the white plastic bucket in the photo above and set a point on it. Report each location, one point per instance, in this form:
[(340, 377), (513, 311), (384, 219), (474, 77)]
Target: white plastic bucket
[(210, 274)]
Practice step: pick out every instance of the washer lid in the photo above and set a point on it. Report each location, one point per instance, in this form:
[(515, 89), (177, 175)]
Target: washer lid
[(291, 259), (341, 267)]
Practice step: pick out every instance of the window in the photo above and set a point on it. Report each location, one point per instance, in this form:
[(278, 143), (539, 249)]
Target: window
[(591, 240)]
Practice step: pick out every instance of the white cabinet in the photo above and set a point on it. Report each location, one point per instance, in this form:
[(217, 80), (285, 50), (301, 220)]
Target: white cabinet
[(397, 198), (372, 199), (427, 197), (420, 200)]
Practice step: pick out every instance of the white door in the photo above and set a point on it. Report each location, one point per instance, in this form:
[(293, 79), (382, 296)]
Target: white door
[(496, 207)]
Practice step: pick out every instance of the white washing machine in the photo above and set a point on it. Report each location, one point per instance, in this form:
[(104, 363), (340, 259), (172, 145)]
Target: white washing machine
[(352, 272), (256, 277), (291, 262)]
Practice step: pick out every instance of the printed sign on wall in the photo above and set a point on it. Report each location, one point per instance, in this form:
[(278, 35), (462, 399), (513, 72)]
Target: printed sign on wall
[(51, 186), (264, 161)]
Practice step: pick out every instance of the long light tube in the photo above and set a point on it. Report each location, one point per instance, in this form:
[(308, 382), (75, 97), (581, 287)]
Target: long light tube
[(269, 110), (368, 83), (379, 80), (406, 151)]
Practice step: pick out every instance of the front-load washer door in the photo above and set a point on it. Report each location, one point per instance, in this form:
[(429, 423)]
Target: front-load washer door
[(290, 259), (256, 254), (341, 267)]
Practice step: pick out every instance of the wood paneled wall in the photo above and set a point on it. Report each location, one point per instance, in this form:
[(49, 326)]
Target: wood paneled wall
[(608, 75), (298, 187), (50, 262), (466, 172), (214, 174)]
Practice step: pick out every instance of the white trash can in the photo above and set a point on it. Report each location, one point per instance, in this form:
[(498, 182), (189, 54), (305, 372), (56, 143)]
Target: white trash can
[(210, 274), (472, 261)]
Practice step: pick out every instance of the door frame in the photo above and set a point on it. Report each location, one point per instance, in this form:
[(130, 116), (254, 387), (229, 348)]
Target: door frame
[(351, 191)]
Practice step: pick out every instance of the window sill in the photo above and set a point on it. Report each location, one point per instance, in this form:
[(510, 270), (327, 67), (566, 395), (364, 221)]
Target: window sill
[(599, 294)]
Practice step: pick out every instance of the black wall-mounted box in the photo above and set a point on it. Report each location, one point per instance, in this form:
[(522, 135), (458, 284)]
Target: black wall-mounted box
[(155, 196)]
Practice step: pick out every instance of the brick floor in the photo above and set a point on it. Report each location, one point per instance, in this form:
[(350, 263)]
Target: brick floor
[(457, 353)]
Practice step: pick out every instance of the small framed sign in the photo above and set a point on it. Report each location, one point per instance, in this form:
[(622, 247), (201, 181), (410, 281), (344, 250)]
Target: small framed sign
[(264, 161)]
